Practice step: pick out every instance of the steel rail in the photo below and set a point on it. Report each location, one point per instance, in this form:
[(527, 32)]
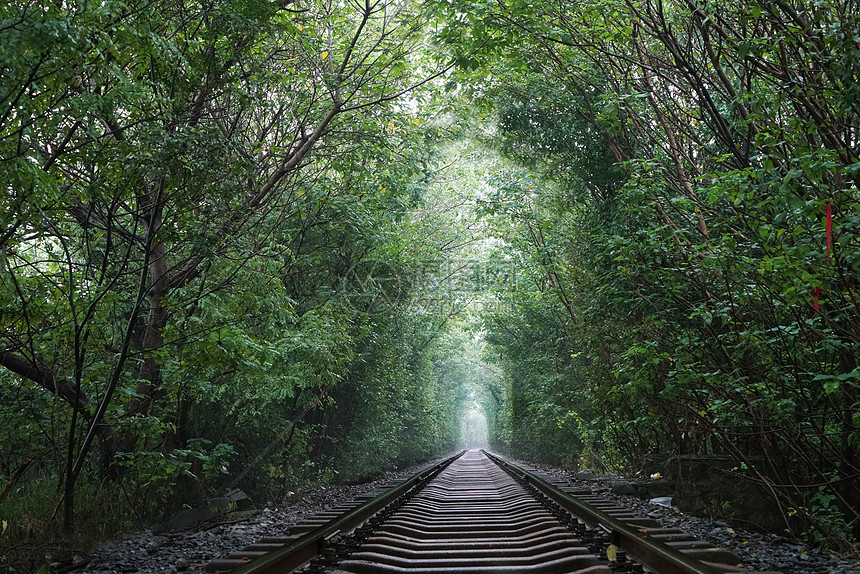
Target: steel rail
[(312, 544), (654, 554)]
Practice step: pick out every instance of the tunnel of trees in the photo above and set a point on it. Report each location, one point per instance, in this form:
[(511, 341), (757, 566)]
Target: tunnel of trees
[(265, 243)]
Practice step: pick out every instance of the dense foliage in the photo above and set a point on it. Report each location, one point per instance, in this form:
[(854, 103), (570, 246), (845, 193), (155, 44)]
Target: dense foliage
[(686, 214), (203, 276), (241, 243)]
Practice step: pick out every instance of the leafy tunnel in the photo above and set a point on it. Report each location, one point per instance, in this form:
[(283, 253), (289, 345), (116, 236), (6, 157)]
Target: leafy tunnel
[(269, 243)]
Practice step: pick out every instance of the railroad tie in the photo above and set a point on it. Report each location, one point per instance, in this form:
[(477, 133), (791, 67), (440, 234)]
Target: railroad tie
[(473, 517)]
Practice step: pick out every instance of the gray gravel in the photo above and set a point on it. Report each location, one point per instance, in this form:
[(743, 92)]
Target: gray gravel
[(187, 551), (758, 552)]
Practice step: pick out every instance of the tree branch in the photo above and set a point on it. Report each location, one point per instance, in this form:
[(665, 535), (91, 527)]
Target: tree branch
[(46, 379)]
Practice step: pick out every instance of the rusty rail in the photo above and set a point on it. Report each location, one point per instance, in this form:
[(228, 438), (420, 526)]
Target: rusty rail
[(313, 543), (486, 515), (654, 554)]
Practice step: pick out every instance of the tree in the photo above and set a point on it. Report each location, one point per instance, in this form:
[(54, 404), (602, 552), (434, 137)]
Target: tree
[(163, 151), (705, 286)]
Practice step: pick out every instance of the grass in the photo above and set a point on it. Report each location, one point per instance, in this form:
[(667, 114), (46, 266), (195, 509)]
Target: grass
[(32, 538)]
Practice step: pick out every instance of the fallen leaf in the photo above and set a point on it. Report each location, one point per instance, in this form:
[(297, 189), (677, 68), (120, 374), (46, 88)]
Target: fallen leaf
[(611, 552)]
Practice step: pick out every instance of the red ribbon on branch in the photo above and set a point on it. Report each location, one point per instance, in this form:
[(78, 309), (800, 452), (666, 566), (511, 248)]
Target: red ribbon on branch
[(816, 294), (319, 398)]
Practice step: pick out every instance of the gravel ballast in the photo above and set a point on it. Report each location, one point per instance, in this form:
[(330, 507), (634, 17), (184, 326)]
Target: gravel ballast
[(189, 550)]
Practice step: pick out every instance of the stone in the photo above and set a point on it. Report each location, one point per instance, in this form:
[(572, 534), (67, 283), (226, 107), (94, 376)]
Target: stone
[(622, 487), (233, 501), (586, 474)]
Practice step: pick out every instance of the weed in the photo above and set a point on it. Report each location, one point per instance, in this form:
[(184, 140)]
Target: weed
[(33, 525)]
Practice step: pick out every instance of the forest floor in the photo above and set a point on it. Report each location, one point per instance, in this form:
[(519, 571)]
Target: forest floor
[(188, 550)]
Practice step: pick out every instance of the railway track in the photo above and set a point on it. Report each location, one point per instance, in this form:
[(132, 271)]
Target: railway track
[(480, 514)]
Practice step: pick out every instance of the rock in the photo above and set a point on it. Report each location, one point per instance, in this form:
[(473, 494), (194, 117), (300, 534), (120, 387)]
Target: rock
[(235, 500), (622, 487), (239, 498), (151, 547), (180, 564), (587, 474)]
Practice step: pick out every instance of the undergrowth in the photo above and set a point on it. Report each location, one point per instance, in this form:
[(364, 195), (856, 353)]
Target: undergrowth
[(33, 539)]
